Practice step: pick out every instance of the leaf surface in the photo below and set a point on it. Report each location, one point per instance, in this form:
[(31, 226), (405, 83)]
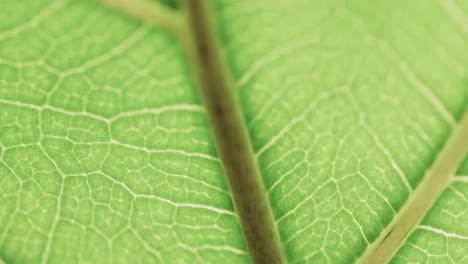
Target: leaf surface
[(107, 153)]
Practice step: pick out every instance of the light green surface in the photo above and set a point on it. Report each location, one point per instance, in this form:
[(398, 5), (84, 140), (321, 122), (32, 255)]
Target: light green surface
[(347, 109), (106, 152), (106, 155)]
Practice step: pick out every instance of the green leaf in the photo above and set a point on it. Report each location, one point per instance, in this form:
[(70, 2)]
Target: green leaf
[(349, 118)]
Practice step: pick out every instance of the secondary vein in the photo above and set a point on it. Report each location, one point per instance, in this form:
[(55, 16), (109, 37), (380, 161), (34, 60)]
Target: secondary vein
[(426, 194), (149, 12)]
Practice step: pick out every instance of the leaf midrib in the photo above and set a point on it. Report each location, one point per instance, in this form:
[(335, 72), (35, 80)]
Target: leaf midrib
[(199, 37), (232, 140)]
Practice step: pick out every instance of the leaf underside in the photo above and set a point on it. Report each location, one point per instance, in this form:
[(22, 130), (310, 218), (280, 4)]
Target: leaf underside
[(107, 153)]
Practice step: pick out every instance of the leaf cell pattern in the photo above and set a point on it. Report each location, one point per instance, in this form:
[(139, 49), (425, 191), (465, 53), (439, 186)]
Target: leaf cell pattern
[(106, 152)]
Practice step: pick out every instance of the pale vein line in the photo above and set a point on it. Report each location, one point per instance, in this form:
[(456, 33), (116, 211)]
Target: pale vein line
[(55, 109), (278, 95), (156, 111), (418, 84), (9, 224), (407, 71), (462, 178), (196, 250), (387, 154), (145, 244), (442, 232), (292, 123), (170, 151), (150, 12), (175, 204), (48, 246), (457, 192), (160, 110), (34, 21), (306, 200), (190, 205), (298, 232), (456, 14), (284, 175), (188, 178), (356, 223), (222, 248), (275, 54), (382, 196), (126, 145), (127, 43)]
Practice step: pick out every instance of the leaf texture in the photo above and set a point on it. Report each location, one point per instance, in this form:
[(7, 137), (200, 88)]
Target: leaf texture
[(107, 153)]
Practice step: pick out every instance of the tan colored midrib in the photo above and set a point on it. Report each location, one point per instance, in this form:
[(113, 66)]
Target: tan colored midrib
[(232, 140), (422, 199)]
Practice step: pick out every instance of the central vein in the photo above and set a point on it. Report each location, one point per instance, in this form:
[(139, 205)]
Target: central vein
[(232, 140)]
